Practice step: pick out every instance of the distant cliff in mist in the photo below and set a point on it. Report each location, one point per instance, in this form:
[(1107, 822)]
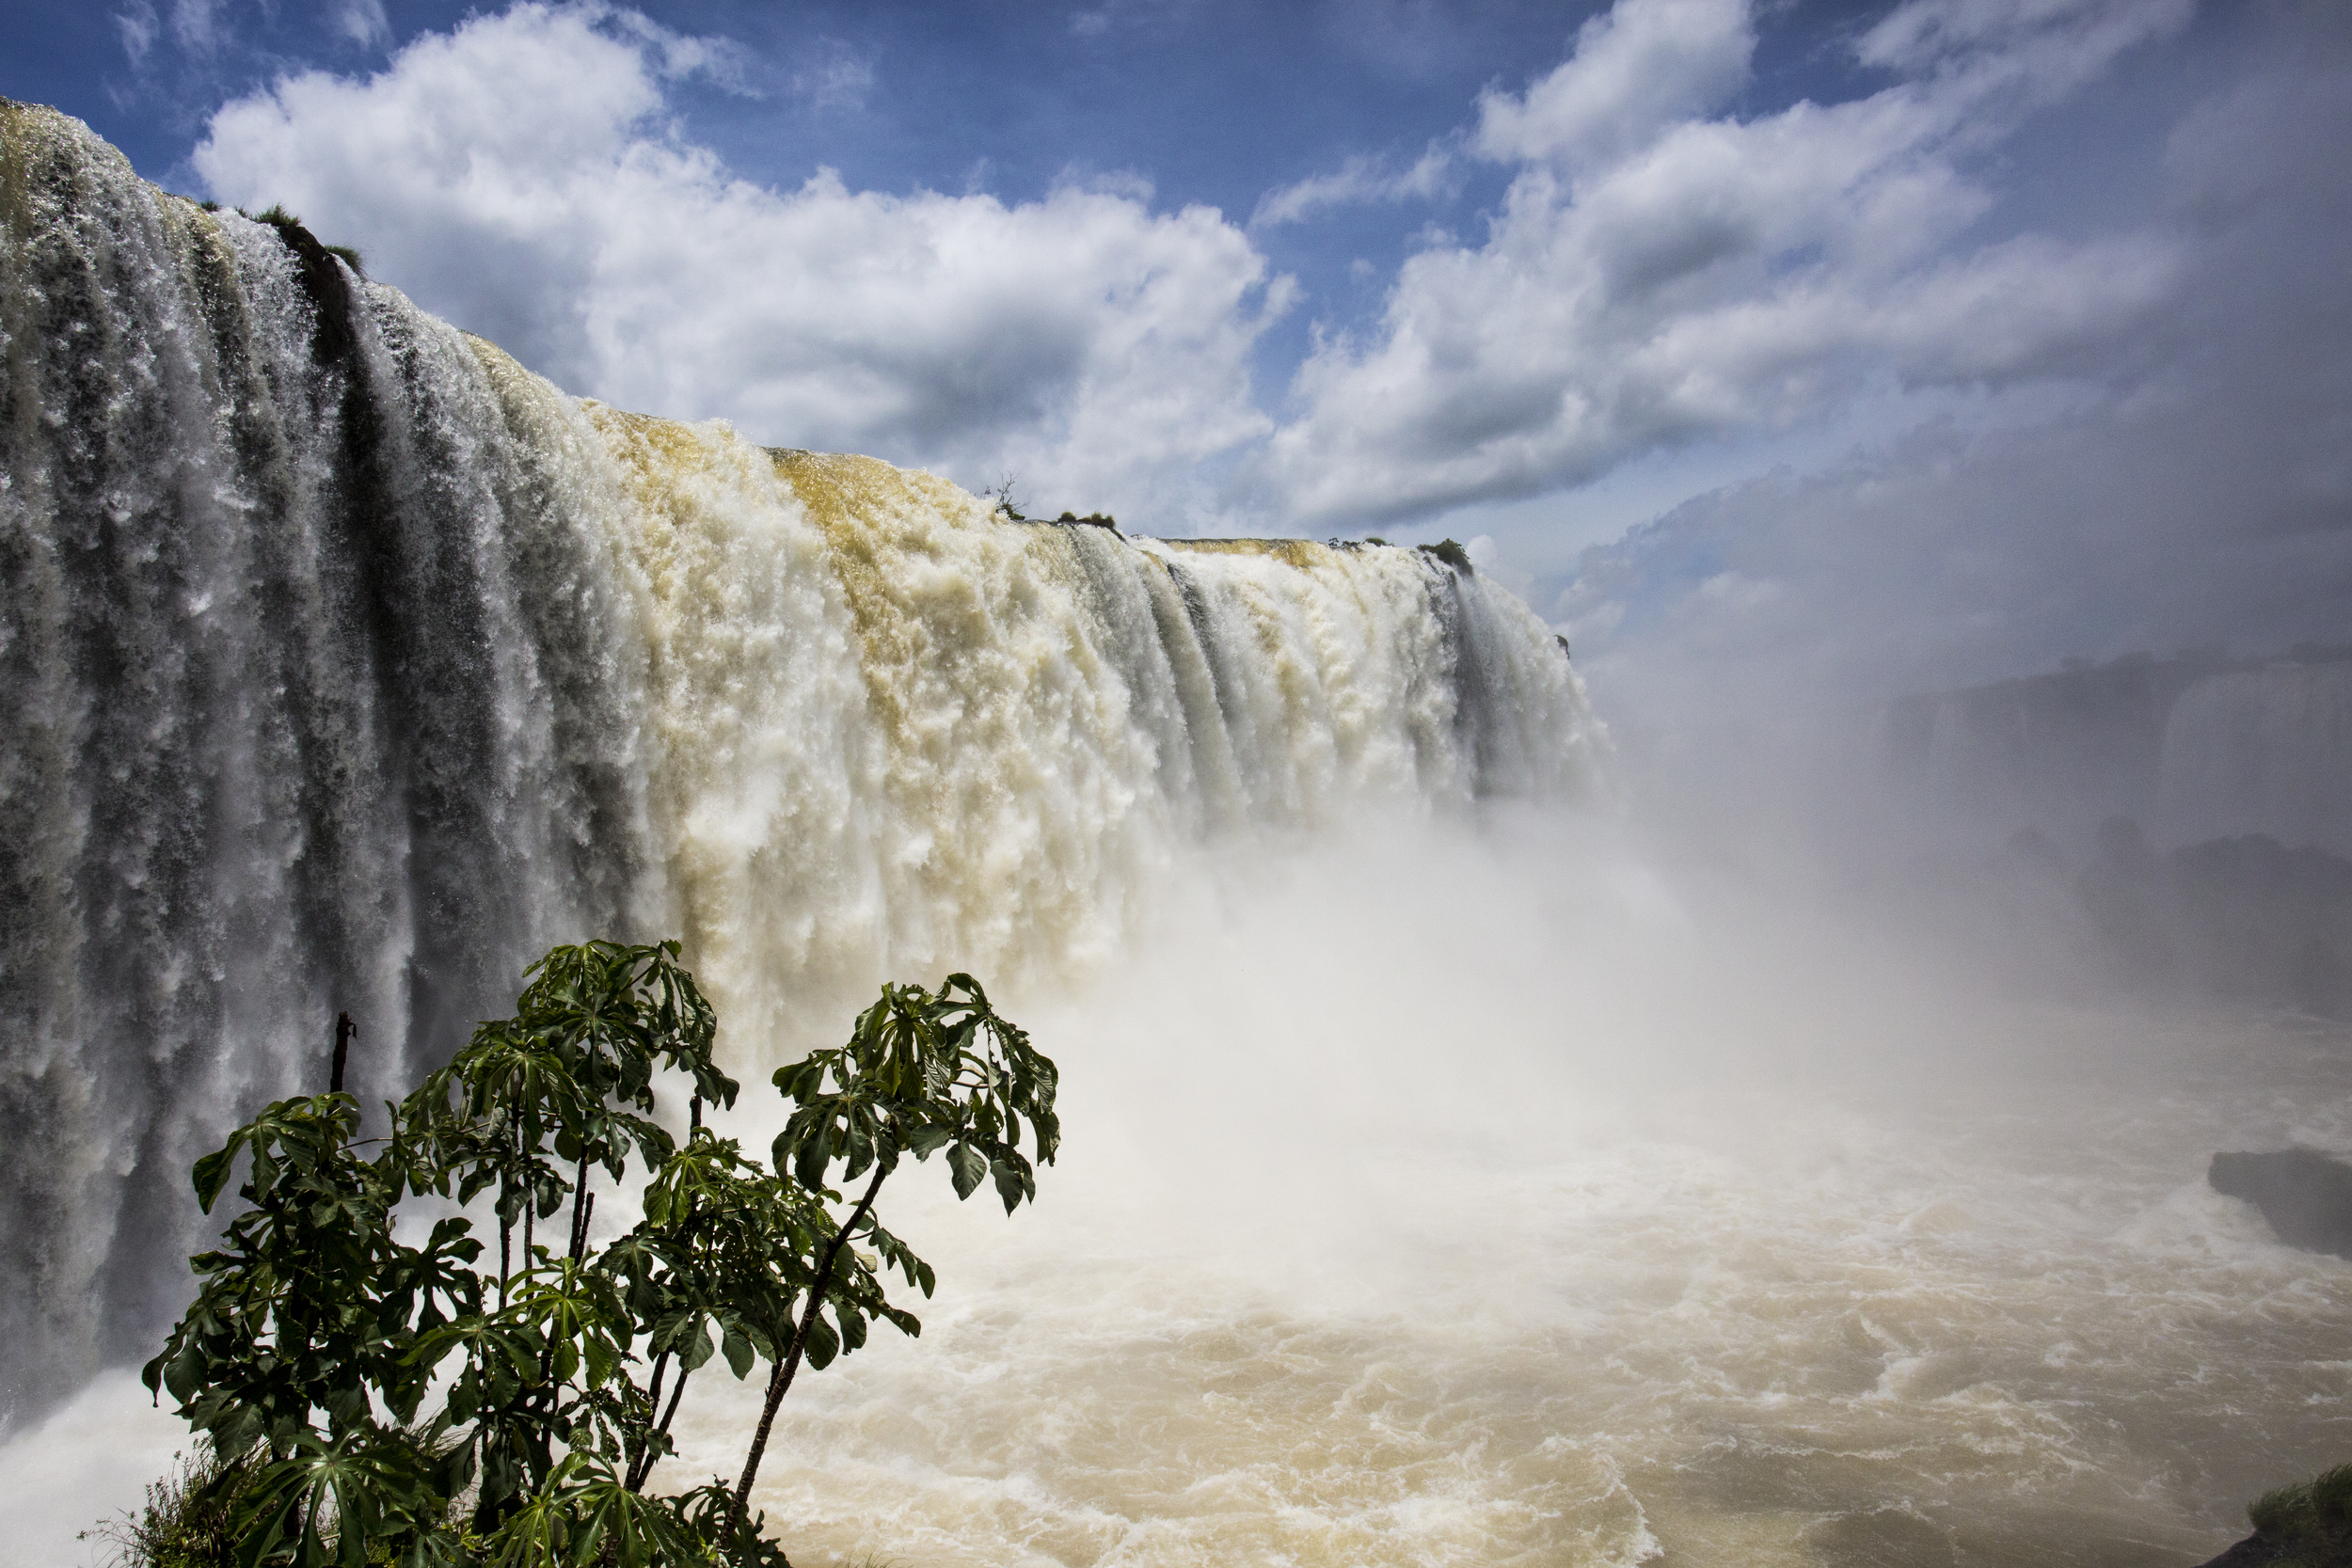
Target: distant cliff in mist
[(2191, 748), (2199, 810)]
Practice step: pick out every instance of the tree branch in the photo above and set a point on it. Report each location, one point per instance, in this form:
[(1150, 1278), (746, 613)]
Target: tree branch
[(580, 1201), (781, 1379)]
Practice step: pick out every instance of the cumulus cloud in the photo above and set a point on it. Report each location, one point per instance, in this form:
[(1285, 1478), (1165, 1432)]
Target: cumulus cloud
[(1658, 277), (1636, 70), (523, 176), (1662, 273)]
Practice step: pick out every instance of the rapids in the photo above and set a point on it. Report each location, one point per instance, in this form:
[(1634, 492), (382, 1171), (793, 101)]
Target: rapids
[(1454, 1196)]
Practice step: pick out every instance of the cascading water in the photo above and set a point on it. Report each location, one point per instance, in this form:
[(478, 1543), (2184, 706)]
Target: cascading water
[(2266, 751), (347, 665)]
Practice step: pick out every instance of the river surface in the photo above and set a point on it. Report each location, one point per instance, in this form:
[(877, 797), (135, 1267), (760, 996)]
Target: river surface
[(1427, 1205)]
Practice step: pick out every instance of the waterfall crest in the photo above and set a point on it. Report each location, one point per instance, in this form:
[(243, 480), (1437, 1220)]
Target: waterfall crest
[(347, 665)]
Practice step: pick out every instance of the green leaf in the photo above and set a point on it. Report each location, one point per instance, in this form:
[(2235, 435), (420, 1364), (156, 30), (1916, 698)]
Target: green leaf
[(184, 1374), (312, 1317), (1011, 1184), (968, 1166), (211, 1171), (602, 1359), (822, 1344)]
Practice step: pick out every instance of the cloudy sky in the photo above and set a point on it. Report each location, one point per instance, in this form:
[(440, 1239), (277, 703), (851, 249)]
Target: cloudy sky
[(1853, 345)]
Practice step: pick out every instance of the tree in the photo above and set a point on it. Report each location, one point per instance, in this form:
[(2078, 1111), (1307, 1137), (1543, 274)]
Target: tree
[(1003, 503), (921, 1072), (369, 1401)]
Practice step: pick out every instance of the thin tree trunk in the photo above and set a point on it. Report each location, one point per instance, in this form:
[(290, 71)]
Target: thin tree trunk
[(507, 1229), (643, 1470), (580, 1200), (781, 1379), (640, 1464), (670, 1414), (579, 1229)]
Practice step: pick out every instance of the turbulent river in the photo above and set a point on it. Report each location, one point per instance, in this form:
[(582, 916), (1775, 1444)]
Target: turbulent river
[(1446, 1182)]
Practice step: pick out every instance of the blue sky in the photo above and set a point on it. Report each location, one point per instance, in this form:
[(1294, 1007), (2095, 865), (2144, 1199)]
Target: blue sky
[(1867, 343)]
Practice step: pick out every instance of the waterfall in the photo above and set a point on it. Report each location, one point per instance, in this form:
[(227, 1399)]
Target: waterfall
[(347, 665), (2266, 751)]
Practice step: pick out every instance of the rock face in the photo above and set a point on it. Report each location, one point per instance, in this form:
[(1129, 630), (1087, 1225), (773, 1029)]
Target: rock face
[(2306, 1196), (2198, 746), (2248, 917)]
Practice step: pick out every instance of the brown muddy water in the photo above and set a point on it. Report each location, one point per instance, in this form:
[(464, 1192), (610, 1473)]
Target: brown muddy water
[(1416, 1211)]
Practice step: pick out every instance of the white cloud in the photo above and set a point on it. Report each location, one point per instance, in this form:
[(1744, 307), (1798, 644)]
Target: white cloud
[(836, 77), (1661, 274), (1636, 70), (520, 176), (1655, 277), (363, 21), (2051, 44), (1359, 180), (197, 25), (137, 25), (2211, 504)]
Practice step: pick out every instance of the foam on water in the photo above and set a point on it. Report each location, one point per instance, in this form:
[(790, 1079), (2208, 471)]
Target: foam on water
[(1455, 1197)]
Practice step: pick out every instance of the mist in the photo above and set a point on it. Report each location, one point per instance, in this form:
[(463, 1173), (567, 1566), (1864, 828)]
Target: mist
[(1553, 1185), (1535, 1187)]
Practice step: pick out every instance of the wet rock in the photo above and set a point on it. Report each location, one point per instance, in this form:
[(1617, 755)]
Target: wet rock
[(2306, 1196), (2306, 1524)]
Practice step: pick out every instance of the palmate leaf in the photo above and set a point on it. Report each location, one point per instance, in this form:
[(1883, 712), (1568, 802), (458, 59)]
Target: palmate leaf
[(330, 1500), (921, 1071), (584, 1515), (736, 1538), (305, 1305)]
